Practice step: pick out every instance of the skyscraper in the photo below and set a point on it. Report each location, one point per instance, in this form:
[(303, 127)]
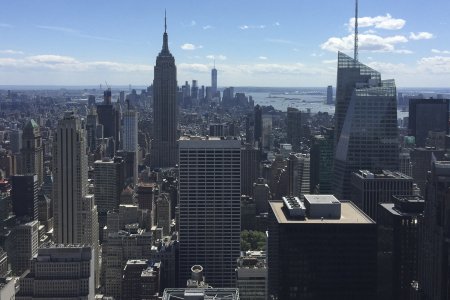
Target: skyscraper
[(398, 234), (250, 168), (74, 211), (214, 81), (24, 196), (69, 178), (330, 94), (258, 124), (91, 129), (164, 144), (130, 137), (108, 183), (320, 248), (23, 246), (369, 189), (322, 162), (427, 115), (209, 202), (434, 233), (109, 117), (294, 127), (32, 154), (366, 134)]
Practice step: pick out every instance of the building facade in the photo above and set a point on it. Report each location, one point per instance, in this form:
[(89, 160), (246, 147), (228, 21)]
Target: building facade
[(165, 109), (251, 276), (366, 133), (434, 270), (209, 204), (303, 239), (427, 115), (398, 244), (74, 210), (60, 272), (24, 196), (370, 189), (32, 152)]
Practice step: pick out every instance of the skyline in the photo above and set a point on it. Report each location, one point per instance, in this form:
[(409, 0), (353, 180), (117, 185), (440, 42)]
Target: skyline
[(253, 43)]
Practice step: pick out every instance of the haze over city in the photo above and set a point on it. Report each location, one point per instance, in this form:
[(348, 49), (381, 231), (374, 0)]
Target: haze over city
[(253, 43)]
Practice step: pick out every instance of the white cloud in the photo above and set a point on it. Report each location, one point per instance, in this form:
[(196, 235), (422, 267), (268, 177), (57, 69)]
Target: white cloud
[(423, 35), (262, 57), (67, 63), (217, 57), (279, 41), (75, 32), (370, 31), (206, 27), (276, 23), (368, 42), (5, 25), (440, 51), (189, 46), (193, 23), (435, 64), (52, 59), (404, 51), (9, 51), (329, 61), (381, 22), (390, 69), (245, 27), (197, 68)]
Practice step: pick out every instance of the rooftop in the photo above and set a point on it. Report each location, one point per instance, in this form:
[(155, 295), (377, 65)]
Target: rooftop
[(201, 294), (350, 214), (382, 174)]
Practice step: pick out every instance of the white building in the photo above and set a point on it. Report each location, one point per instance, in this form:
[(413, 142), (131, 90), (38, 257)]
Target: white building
[(209, 207), (60, 272)]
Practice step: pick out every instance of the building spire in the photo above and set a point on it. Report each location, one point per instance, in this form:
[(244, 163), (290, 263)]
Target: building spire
[(355, 54), (165, 47)]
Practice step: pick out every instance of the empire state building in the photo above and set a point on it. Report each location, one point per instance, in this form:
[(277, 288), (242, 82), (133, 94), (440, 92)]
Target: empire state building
[(164, 145)]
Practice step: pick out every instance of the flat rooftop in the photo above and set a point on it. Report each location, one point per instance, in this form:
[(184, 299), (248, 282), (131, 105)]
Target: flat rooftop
[(383, 174), (350, 214)]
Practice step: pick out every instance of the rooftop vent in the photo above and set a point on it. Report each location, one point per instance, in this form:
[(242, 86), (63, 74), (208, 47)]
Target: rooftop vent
[(294, 206)]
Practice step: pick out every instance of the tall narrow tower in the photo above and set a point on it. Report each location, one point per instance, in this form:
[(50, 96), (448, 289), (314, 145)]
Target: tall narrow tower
[(70, 174), (130, 137), (209, 208), (32, 154), (75, 212), (355, 54), (164, 144), (214, 80)]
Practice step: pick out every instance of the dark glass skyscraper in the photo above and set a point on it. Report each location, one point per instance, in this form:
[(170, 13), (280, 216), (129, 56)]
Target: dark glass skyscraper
[(214, 81), (427, 115), (366, 134), (294, 127), (164, 144)]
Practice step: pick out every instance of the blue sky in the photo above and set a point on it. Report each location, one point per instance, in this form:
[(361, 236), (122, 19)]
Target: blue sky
[(257, 43)]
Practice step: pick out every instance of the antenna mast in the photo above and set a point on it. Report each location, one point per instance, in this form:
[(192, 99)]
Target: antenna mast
[(355, 54), (165, 21)]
